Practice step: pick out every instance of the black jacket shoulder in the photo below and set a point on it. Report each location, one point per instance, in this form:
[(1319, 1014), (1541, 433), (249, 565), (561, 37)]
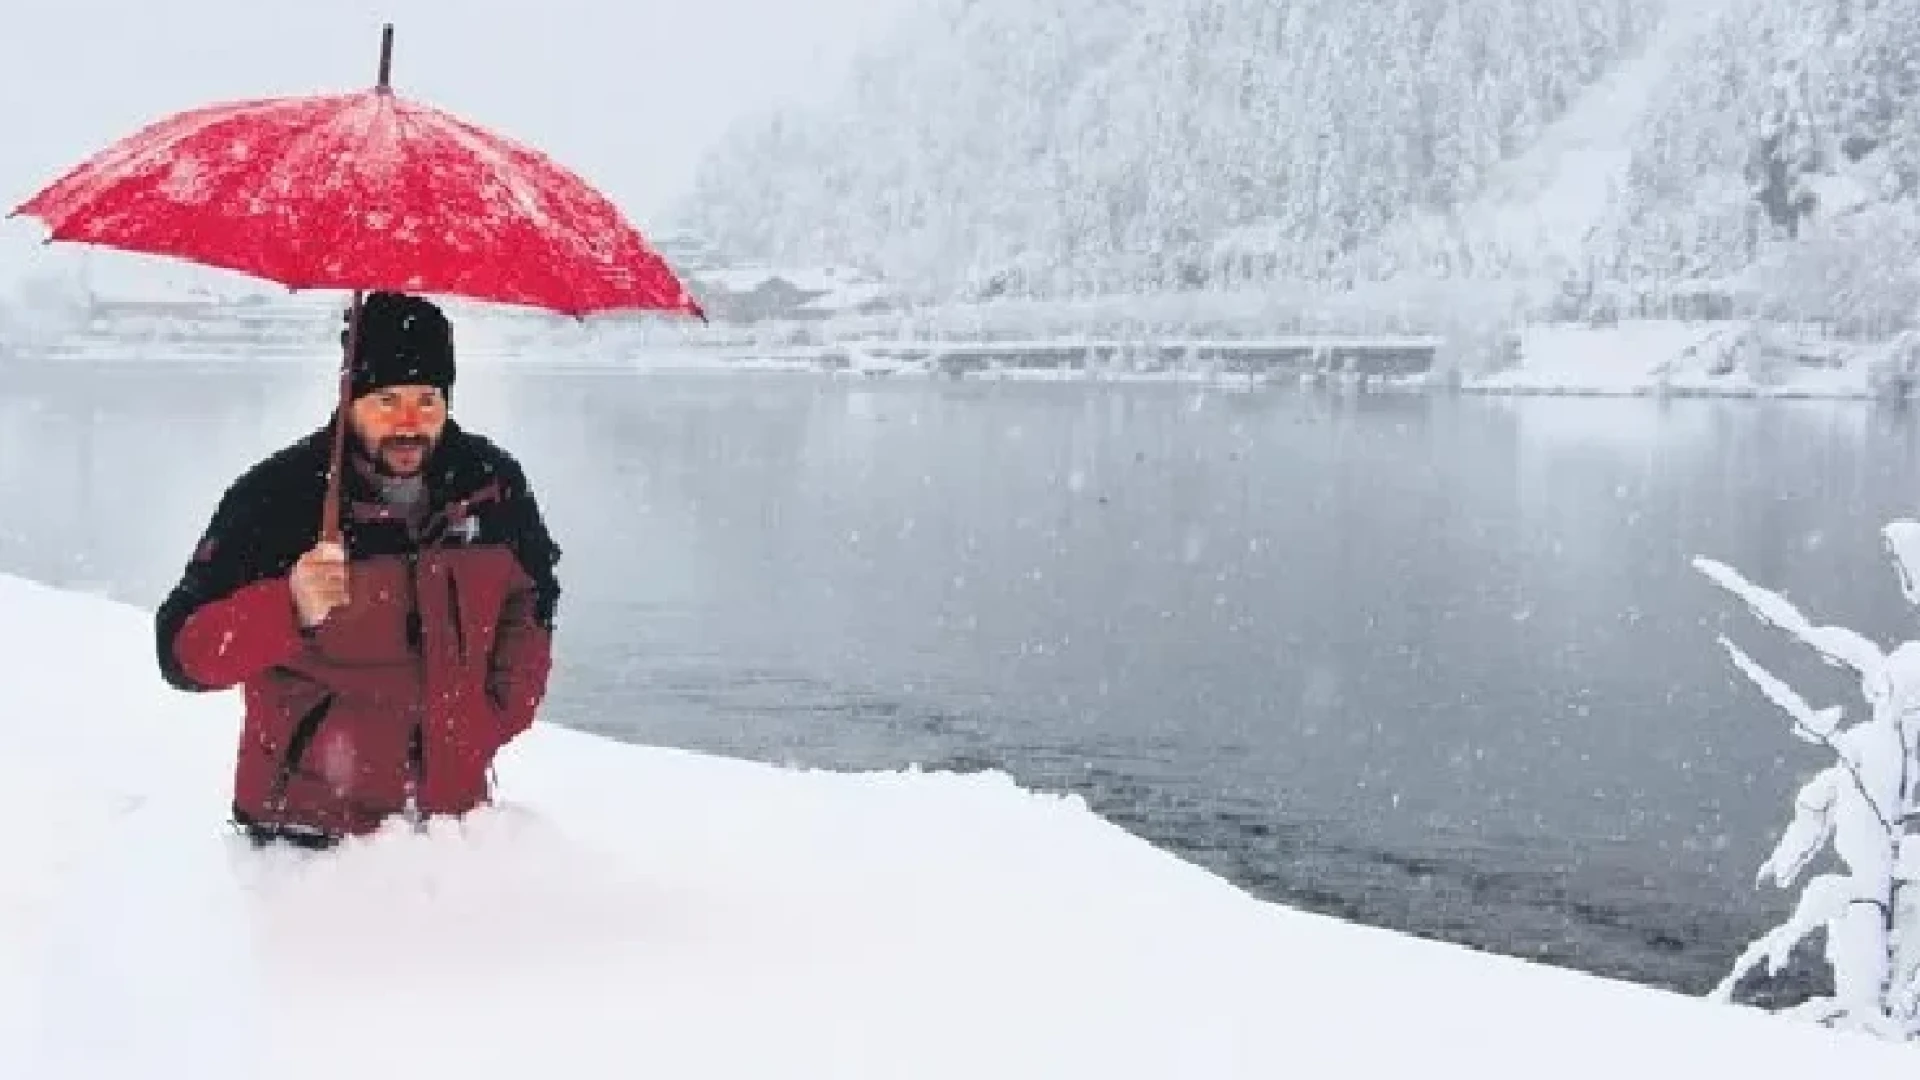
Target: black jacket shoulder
[(265, 519), (472, 460), (271, 512), (476, 461)]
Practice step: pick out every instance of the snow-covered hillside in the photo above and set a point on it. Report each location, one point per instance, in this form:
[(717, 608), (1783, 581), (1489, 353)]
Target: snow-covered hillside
[(1537, 211), (1651, 158), (1074, 145)]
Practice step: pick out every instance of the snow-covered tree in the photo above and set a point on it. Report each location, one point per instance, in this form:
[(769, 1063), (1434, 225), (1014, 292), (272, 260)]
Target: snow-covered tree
[(1859, 806), (1059, 147), (1858, 273), (1763, 133)]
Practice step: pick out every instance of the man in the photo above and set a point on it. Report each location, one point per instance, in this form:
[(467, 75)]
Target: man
[(381, 680)]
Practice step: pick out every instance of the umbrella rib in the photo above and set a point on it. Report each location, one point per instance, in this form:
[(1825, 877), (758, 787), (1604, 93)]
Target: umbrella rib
[(130, 166), (408, 120), (350, 167), (339, 166), (500, 153)]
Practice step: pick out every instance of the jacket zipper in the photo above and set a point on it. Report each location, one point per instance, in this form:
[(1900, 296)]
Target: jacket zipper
[(417, 641), (453, 615)]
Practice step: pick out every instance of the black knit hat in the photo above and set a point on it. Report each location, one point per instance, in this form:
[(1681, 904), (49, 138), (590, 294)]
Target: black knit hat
[(403, 340)]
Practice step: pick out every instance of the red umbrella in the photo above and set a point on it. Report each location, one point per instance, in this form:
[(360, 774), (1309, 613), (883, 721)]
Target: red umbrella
[(363, 191)]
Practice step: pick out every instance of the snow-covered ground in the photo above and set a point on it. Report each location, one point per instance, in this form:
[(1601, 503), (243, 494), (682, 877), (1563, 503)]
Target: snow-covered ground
[(1729, 358), (635, 911)]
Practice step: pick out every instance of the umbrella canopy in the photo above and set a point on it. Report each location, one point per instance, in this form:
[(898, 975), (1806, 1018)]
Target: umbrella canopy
[(363, 191)]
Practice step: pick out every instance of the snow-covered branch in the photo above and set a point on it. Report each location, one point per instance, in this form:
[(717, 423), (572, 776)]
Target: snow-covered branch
[(1858, 807), (1824, 900), (1837, 644), (1815, 726), (1811, 828), (1903, 541)]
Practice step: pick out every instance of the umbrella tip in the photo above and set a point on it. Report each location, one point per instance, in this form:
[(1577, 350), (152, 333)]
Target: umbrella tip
[(386, 56)]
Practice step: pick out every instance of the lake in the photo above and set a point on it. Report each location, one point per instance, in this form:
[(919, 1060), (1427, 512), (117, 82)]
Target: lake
[(1435, 663)]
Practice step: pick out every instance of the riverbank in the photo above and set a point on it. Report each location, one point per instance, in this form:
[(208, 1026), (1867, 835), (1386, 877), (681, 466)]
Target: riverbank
[(1719, 359), (1724, 358)]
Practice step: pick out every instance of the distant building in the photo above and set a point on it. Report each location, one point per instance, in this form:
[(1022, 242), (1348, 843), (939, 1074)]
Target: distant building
[(760, 294)]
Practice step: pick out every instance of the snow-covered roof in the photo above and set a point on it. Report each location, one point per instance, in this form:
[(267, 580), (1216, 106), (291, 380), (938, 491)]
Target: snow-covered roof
[(742, 279), (848, 297)]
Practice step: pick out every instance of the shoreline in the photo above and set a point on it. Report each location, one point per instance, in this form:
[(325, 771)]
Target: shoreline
[(1659, 359), (1436, 385)]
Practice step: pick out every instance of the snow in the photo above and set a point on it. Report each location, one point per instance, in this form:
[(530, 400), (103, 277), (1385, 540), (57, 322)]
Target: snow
[(1671, 356), (632, 910)]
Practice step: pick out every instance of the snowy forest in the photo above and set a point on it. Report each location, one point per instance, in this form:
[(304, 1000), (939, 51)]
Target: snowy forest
[(1760, 150)]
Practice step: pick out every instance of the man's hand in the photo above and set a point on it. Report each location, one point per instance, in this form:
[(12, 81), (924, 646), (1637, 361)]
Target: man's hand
[(319, 582)]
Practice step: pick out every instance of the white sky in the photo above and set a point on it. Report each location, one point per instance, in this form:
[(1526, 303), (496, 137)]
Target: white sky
[(630, 93)]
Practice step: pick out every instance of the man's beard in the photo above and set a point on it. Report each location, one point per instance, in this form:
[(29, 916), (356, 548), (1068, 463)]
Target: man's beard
[(401, 442)]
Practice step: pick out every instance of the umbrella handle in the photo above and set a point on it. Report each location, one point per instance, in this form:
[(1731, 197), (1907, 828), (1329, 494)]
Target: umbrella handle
[(330, 510)]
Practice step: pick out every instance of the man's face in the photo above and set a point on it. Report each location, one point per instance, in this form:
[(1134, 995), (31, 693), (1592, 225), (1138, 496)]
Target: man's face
[(398, 426)]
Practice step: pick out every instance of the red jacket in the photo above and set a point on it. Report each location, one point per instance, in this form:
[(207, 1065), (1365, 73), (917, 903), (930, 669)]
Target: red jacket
[(440, 657)]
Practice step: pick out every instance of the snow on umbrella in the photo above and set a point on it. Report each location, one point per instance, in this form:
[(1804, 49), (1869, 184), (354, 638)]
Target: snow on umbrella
[(363, 191)]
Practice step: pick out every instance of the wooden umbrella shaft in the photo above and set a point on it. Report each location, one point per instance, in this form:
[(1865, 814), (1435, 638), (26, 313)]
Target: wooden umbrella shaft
[(330, 511), (330, 532)]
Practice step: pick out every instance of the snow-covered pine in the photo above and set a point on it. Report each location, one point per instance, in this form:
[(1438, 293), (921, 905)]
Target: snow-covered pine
[(1764, 154), (1859, 806), (1053, 148)]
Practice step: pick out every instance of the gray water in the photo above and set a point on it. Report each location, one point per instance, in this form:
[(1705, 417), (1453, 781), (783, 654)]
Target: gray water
[(1434, 663)]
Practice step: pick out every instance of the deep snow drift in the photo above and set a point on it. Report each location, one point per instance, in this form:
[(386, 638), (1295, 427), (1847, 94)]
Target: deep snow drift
[(638, 912)]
